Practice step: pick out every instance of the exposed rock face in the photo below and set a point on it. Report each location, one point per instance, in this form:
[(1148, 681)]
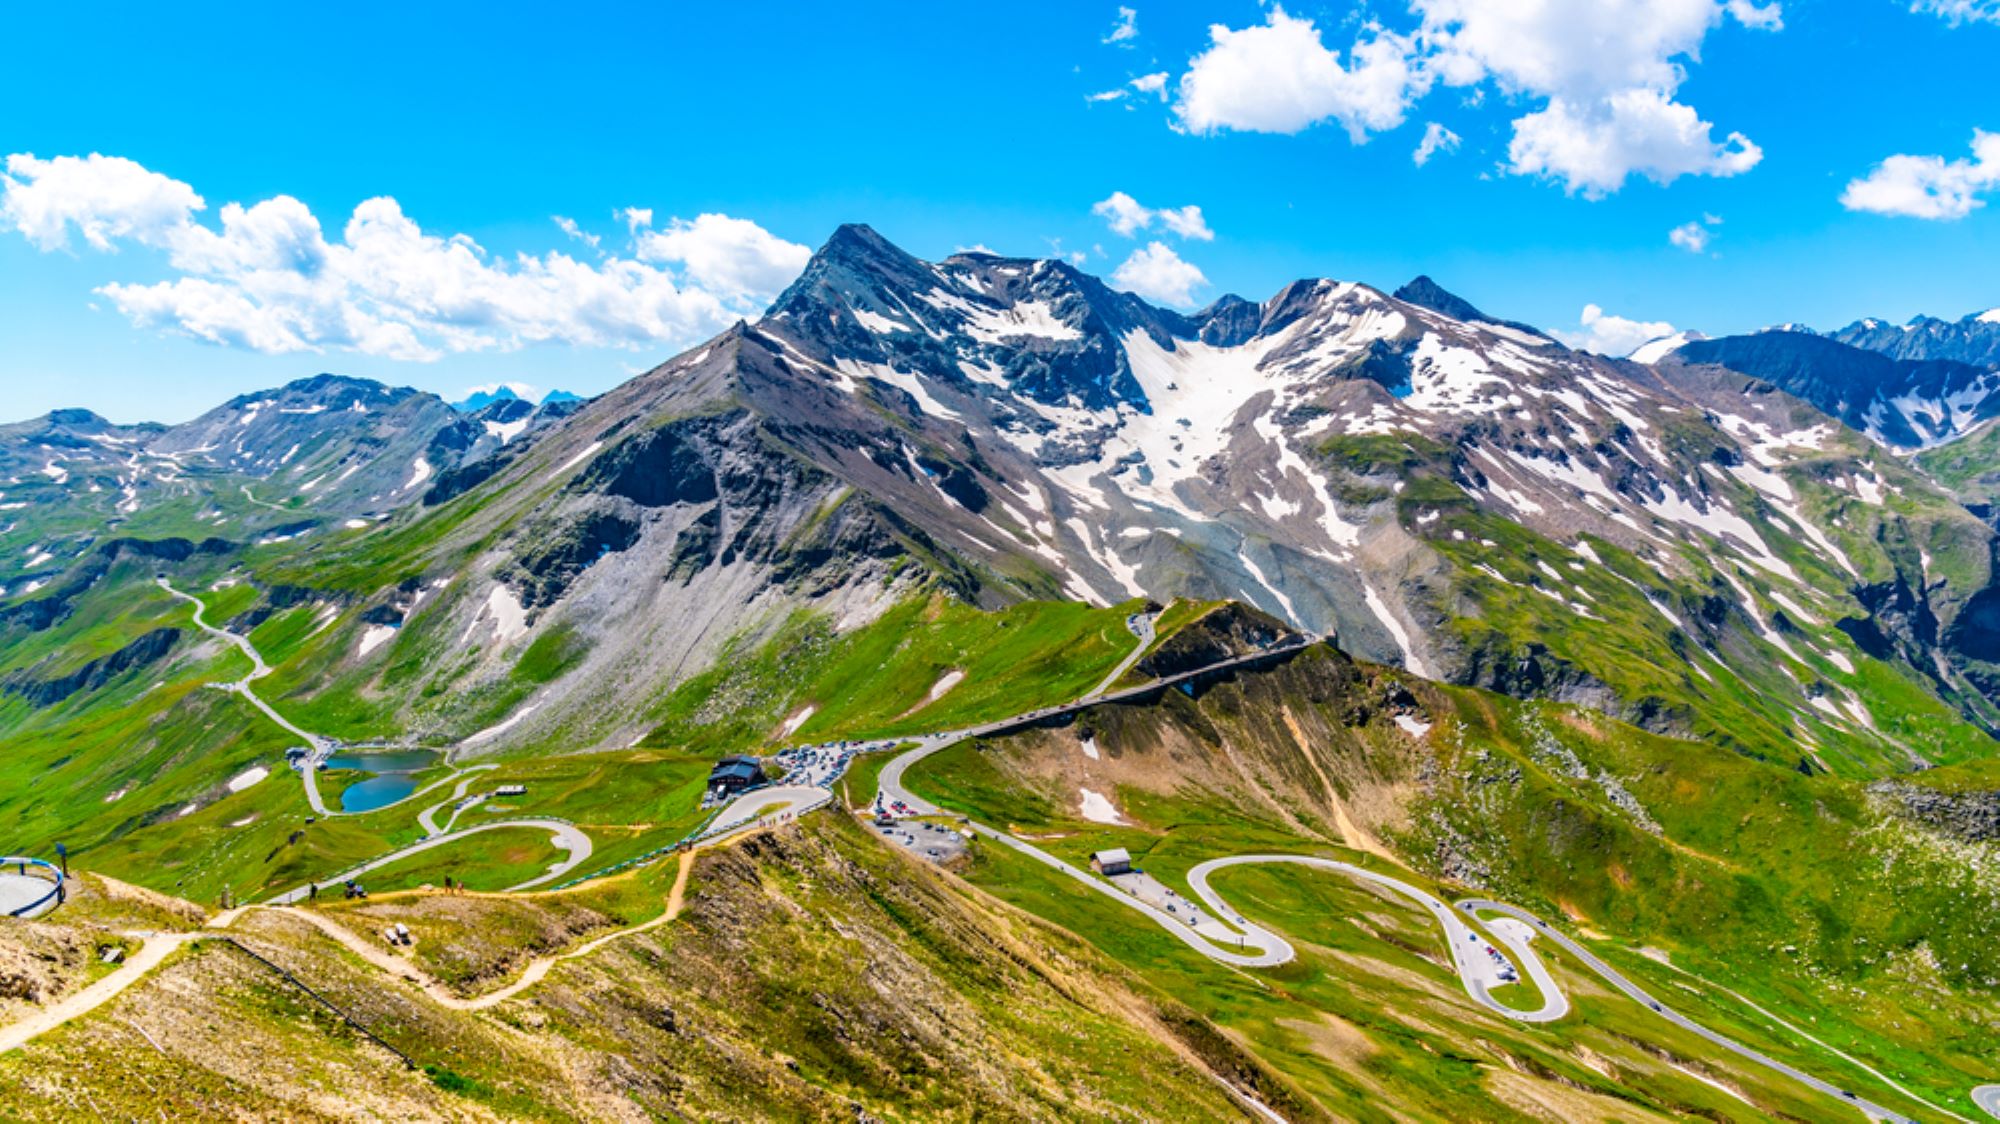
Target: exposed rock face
[(660, 467), (1229, 631), (1906, 403), (1443, 490), (1971, 816), (558, 554), (1974, 339)]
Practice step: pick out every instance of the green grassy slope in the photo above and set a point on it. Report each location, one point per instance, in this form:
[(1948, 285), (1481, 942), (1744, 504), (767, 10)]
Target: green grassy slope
[(1799, 892)]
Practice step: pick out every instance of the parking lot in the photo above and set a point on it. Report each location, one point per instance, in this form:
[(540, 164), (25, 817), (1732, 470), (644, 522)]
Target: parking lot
[(935, 842)]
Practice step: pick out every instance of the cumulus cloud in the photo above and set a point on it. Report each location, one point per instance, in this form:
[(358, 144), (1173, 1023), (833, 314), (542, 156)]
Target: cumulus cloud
[(1605, 75), (266, 277), (1437, 139), (1127, 216), (1759, 17), (1606, 334), (1186, 222), (733, 257), (1155, 272), (1593, 148), (106, 199), (1956, 12), (1280, 77), (1694, 237), (1609, 71), (1126, 29), (1152, 84), (1929, 187), (1122, 213)]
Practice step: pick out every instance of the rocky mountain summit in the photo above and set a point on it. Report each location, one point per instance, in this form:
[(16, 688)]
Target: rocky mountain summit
[(1973, 339), (1674, 543)]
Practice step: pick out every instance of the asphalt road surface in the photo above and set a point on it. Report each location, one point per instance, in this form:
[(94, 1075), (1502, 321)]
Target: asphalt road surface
[(1616, 979), (745, 811), (565, 837)]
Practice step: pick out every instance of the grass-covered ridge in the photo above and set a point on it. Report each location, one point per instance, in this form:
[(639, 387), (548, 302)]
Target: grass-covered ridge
[(1800, 892)]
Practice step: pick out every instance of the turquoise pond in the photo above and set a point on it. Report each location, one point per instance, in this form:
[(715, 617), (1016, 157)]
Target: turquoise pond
[(395, 776)]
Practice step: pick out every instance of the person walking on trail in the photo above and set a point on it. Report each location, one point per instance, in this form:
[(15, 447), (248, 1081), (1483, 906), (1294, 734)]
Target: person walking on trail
[(312, 891)]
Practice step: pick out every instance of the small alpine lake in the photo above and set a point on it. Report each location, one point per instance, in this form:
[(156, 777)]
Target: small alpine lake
[(394, 776)]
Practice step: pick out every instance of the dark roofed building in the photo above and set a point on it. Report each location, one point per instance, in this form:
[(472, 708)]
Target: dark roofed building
[(732, 775)]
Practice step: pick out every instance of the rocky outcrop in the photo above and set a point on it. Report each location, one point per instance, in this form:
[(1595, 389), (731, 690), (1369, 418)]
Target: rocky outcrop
[(1230, 631), (660, 467), (560, 554), (1971, 816)]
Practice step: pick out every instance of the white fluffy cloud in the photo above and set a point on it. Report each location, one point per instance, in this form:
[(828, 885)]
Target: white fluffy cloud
[(1689, 236), (1759, 17), (269, 279), (1594, 147), (1437, 139), (734, 257), (1152, 84), (1155, 272), (1126, 29), (1127, 216), (1613, 335), (106, 198), (1694, 237), (1609, 71), (1605, 72), (1929, 187), (1281, 78), (1957, 12)]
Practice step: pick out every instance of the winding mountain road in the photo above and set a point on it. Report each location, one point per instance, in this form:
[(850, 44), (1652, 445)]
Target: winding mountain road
[(427, 819), (746, 810), (1234, 941), (1610, 975), (1243, 944), (258, 670), (564, 837)]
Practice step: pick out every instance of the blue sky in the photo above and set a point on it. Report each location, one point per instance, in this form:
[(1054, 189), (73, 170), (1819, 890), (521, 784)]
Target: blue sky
[(946, 126)]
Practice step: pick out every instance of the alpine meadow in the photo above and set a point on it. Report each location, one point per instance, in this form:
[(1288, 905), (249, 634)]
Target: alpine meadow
[(659, 619)]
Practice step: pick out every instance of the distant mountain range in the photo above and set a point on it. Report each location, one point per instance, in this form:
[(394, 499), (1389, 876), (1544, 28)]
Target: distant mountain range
[(485, 398), (318, 451), (1441, 489), (1974, 339), (1914, 387)]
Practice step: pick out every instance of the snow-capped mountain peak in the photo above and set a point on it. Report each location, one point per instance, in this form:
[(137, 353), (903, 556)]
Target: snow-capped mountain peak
[(1047, 421)]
